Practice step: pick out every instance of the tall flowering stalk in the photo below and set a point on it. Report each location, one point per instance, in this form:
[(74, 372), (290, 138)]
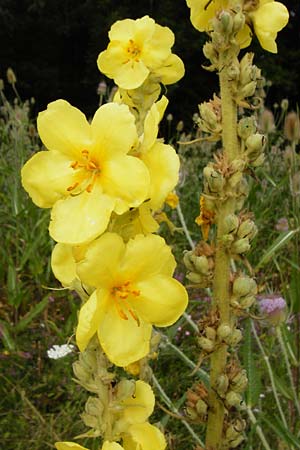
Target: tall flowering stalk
[(230, 24), (104, 181)]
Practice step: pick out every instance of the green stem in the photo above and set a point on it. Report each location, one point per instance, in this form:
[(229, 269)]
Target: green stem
[(266, 359), (221, 295), (184, 226), (258, 429), (170, 405), (288, 367)]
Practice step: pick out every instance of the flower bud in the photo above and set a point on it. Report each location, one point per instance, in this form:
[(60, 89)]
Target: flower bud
[(247, 90), (246, 302), (246, 127), (224, 331), (191, 413), (82, 374), (233, 399), (201, 264), (11, 77), (231, 224), (226, 22), (238, 22), (94, 407), (247, 229), (125, 389), (239, 382), (206, 344), (235, 337), (243, 286), (201, 407), (255, 144), (246, 68), (241, 246), (258, 161), (210, 52), (187, 261), (214, 179), (208, 115), (195, 277), (222, 384), (210, 333)]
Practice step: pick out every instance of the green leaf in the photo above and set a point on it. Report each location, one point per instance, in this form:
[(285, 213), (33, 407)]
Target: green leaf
[(278, 427), (282, 240), (8, 341), (249, 363), (35, 311)]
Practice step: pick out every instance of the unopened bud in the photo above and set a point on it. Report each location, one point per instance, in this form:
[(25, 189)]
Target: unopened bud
[(210, 333), (224, 331), (206, 344), (201, 407), (234, 399), (243, 286), (191, 413), (222, 384), (195, 277), (11, 77), (80, 373), (246, 302), (258, 161), (187, 261), (246, 68), (94, 407), (125, 389), (201, 264), (240, 382), (247, 229), (246, 127), (226, 22), (235, 337), (210, 52), (208, 115), (247, 90), (214, 179), (241, 246), (238, 22), (255, 144), (231, 223)]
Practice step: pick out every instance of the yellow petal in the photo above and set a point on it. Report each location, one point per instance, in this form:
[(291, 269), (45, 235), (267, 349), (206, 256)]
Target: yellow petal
[(46, 177), (171, 71), (162, 300), (111, 446), (244, 36), (114, 131), (267, 40), (157, 49), (146, 256), (81, 218), (112, 59), (144, 29), (102, 259), (126, 178), (147, 223), (69, 446), (202, 11), (64, 128), (141, 405), (151, 123), (270, 17), (144, 436), (122, 30), (123, 341), (163, 164), (63, 264), (90, 315), (132, 74)]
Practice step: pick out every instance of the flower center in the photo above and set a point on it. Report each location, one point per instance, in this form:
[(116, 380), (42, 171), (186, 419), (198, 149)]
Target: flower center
[(134, 50), (88, 171), (120, 294)]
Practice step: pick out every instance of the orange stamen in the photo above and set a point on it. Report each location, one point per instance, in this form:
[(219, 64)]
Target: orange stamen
[(73, 186)]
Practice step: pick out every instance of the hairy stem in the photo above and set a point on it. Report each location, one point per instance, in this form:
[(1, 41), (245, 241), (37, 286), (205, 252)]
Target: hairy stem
[(222, 265)]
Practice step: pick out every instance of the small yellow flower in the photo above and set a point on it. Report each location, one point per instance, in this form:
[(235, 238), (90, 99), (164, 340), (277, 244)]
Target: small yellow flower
[(137, 48), (205, 219), (134, 289), (265, 17), (86, 174), (172, 200), (160, 159), (130, 423)]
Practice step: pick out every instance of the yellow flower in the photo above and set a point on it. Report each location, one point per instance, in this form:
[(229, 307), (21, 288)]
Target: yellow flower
[(73, 446), (137, 48), (269, 18), (87, 172), (172, 200), (161, 159), (266, 17), (134, 289), (130, 421), (205, 219)]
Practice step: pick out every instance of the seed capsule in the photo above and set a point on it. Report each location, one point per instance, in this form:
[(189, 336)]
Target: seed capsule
[(243, 286)]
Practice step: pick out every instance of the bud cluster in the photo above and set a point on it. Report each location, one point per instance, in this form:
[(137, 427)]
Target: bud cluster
[(238, 233), (252, 143), (234, 434), (244, 290), (197, 403), (247, 80), (200, 264), (210, 119)]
